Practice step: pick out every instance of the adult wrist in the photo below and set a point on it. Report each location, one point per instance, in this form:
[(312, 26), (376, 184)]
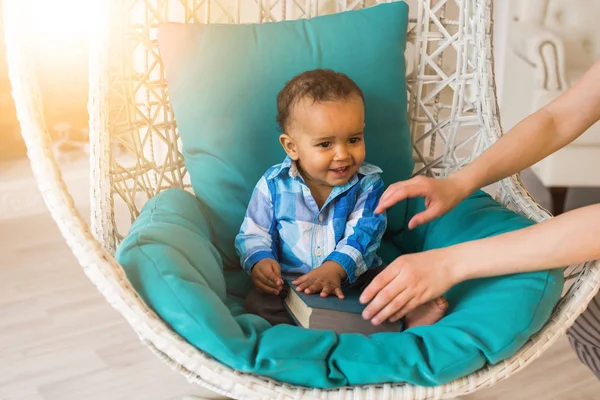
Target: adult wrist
[(464, 183), (455, 265)]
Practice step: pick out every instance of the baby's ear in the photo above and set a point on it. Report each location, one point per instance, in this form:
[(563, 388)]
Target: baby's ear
[(289, 146)]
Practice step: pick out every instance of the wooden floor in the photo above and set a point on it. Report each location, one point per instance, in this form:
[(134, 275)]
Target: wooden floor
[(59, 340)]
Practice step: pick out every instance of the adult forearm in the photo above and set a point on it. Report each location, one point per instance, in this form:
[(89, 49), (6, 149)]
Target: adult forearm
[(539, 135), (528, 142), (571, 238)]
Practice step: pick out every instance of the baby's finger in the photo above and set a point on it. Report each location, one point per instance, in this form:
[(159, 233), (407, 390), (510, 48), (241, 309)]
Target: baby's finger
[(339, 293), (271, 277), (327, 290), (276, 274), (305, 284), (265, 288), (303, 287), (301, 279), (315, 287), (265, 280)]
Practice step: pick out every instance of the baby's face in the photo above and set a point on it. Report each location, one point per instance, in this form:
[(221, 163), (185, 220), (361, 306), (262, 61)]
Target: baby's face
[(329, 139)]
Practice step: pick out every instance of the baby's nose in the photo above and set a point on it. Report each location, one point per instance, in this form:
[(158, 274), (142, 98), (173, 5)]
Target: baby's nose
[(341, 153)]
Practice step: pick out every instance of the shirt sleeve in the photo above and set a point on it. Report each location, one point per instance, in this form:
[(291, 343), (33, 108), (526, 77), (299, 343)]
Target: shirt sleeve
[(358, 248), (257, 237)]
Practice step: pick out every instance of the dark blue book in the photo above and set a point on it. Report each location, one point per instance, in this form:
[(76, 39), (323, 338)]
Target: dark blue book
[(331, 313)]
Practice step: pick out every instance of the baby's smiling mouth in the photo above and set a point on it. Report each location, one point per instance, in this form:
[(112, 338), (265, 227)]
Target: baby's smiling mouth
[(340, 170)]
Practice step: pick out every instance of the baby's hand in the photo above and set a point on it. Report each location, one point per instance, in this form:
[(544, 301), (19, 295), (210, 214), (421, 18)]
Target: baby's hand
[(326, 279), (266, 276)]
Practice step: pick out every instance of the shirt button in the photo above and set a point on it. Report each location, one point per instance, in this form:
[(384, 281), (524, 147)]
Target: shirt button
[(318, 252), (320, 217)]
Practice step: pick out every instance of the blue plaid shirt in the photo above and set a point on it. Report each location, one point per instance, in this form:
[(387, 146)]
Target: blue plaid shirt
[(283, 222)]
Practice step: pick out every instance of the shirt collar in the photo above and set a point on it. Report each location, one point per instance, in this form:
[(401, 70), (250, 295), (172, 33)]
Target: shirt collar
[(369, 169), (288, 165)]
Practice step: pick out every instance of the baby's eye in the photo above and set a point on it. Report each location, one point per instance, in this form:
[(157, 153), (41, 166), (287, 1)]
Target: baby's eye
[(324, 144), (355, 140)]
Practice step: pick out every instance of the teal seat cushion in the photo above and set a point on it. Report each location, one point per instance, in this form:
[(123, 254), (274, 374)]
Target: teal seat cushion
[(170, 259), (223, 85)]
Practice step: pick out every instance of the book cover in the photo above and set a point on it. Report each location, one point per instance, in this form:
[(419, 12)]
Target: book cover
[(349, 304)]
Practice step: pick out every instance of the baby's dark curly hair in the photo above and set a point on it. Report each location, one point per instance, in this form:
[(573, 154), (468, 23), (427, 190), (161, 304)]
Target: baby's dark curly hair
[(318, 85)]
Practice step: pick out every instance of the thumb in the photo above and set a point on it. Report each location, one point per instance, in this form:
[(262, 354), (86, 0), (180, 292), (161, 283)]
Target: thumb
[(275, 272), (424, 217)]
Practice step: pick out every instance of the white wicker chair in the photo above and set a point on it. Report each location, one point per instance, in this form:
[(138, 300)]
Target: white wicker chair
[(453, 117)]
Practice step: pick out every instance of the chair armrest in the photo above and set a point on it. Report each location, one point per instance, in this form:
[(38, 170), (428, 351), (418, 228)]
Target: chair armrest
[(543, 50)]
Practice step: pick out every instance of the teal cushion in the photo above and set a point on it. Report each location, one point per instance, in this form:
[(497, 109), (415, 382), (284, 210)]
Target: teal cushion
[(170, 259), (223, 84)]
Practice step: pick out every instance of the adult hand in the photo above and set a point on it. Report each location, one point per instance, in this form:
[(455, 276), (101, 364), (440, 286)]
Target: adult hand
[(405, 284), (441, 196)]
